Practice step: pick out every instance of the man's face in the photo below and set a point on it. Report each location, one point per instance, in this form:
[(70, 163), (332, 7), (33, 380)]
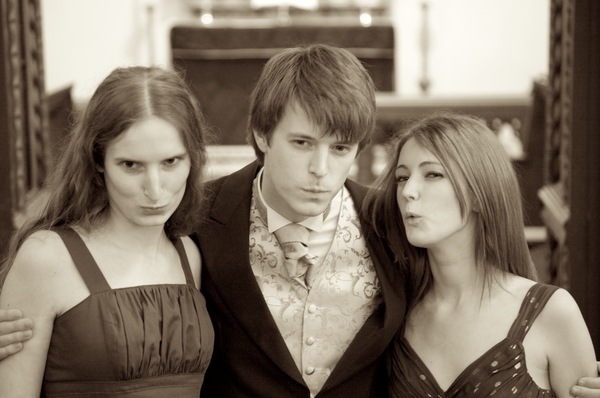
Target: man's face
[(303, 170)]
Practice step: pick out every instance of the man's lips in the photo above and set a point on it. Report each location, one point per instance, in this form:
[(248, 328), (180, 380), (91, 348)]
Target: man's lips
[(315, 190)]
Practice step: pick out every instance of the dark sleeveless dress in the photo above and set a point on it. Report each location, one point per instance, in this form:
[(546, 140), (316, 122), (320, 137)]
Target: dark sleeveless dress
[(500, 372), (143, 341)]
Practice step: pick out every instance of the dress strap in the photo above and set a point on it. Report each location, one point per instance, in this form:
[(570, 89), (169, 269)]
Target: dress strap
[(85, 263), (189, 278), (534, 302)]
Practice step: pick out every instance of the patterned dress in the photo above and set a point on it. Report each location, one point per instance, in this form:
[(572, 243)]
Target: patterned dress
[(499, 372), (142, 341)]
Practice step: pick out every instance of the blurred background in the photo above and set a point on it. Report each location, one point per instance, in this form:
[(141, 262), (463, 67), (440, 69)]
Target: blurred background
[(529, 68), (462, 47)]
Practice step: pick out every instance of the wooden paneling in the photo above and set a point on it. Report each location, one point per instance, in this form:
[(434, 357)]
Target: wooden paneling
[(572, 162), (23, 136), (526, 115), (222, 64), (583, 227)]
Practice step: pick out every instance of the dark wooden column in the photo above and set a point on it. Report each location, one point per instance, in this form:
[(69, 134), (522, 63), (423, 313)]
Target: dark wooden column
[(571, 193), (6, 195), (583, 228), (24, 145)]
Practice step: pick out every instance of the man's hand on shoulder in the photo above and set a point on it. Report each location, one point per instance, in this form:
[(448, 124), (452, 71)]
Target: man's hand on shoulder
[(14, 331), (587, 387)]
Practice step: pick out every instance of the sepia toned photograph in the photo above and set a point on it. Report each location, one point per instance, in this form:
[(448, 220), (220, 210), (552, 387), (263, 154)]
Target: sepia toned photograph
[(299, 198)]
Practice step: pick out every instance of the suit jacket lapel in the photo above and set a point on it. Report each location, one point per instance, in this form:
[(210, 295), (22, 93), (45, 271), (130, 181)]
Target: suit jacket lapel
[(228, 238)]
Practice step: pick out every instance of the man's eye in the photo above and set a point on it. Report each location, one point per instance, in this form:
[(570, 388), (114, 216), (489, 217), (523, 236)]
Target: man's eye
[(172, 161), (341, 148)]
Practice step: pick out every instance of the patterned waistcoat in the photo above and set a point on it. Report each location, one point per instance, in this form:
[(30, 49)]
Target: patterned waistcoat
[(318, 324)]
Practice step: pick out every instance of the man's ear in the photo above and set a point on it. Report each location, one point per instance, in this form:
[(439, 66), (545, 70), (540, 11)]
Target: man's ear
[(261, 141)]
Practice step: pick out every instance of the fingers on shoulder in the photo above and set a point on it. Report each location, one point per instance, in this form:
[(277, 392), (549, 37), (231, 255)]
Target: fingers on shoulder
[(10, 349)]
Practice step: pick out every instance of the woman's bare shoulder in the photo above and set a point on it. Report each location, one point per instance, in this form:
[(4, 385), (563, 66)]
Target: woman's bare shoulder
[(42, 252), (561, 307), (42, 265), (561, 321)]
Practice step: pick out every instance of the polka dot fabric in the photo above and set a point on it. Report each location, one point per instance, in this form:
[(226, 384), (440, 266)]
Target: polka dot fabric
[(500, 372)]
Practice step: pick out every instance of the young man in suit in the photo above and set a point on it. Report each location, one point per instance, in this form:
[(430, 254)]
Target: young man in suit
[(315, 321), (285, 328)]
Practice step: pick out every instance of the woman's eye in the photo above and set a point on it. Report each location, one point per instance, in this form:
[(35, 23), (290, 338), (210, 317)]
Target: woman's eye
[(401, 179), (128, 164), (434, 174)]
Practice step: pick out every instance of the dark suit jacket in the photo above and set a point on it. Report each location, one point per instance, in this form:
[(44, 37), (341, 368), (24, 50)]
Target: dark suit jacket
[(250, 357)]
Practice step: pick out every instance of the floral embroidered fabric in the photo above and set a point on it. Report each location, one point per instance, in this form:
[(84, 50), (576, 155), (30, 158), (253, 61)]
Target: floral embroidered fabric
[(318, 324)]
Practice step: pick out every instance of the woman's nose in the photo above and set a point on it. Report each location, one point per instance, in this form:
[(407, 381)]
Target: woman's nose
[(153, 185), (410, 191)]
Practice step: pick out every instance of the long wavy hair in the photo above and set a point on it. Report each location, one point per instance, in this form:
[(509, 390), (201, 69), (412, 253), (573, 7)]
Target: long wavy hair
[(470, 152), (76, 192)]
